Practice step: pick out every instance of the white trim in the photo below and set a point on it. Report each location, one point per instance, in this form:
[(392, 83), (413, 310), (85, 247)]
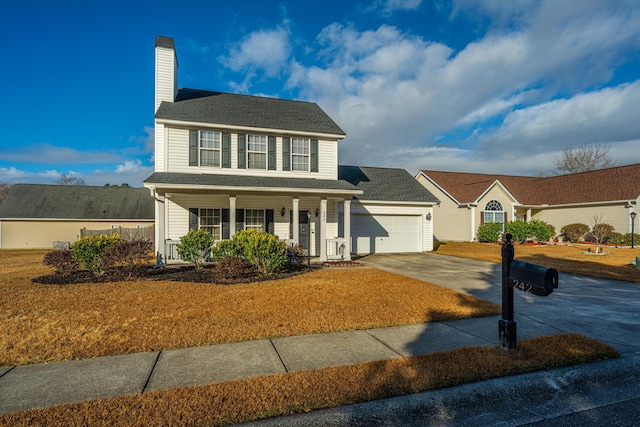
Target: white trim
[(611, 202), (386, 202), (257, 189), (247, 129)]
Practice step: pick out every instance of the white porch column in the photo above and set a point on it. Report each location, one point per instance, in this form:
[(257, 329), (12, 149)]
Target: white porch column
[(296, 221), (161, 257), (323, 230), (473, 223), (347, 229), (232, 216), (529, 215)]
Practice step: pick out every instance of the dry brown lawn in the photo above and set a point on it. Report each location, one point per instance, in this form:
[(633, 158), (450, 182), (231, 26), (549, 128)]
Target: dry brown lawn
[(42, 322), (569, 259), (284, 394)]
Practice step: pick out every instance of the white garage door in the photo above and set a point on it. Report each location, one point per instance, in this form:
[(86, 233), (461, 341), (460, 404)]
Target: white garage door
[(385, 233)]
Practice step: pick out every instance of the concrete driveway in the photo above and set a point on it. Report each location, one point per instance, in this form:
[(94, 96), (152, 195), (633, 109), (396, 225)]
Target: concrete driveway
[(606, 310)]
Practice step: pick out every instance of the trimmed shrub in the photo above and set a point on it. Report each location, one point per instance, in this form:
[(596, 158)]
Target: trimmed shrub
[(62, 260), (574, 232), (519, 229), (489, 232), (232, 268), (88, 251), (296, 256), (195, 247), (636, 239), (540, 230), (615, 238), (261, 250), (128, 255)]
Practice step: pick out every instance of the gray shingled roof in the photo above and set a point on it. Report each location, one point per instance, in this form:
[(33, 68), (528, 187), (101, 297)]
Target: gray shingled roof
[(218, 180), (251, 111), (385, 184), (32, 201)]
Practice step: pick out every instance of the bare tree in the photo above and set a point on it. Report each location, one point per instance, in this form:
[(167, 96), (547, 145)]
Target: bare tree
[(68, 179), (5, 186), (600, 232), (585, 158)]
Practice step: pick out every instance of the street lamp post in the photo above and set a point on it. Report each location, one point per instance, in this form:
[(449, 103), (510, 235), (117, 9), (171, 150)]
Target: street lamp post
[(633, 218)]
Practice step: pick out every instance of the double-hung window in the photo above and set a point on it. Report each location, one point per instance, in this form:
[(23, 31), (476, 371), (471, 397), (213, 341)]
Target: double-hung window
[(257, 151), (210, 220), (210, 145), (300, 154), (254, 219)]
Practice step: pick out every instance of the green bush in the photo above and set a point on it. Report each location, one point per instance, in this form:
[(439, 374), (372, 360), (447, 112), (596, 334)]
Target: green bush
[(489, 232), (519, 230), (264, 251), (615, 238), (574, 232), (88, 251), (540, 230), (195, 247), (636, 239)]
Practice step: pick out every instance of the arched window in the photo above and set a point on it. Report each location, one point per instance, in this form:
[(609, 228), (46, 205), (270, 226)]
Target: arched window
[(493, 212)]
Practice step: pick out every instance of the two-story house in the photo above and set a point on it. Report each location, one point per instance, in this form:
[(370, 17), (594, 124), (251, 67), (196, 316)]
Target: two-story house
[(226, 162)]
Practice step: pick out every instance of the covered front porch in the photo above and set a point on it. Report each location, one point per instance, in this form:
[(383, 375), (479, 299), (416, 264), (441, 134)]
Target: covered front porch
[(299, 216)]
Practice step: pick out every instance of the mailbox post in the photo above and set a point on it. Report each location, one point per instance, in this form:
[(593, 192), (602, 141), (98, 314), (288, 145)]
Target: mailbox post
[(506, 325), (531, 278)]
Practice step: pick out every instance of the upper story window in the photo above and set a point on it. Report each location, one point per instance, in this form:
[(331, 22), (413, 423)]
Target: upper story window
[(210, 145), (209, 148), (257, 151), (300, 154)]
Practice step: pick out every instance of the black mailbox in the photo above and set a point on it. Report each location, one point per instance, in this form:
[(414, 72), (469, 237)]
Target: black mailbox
[(532, 278)]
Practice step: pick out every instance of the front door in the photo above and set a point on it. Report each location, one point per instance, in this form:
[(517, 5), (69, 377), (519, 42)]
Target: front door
[(304, 231)]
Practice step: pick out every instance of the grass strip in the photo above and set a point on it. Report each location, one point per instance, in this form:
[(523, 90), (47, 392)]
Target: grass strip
[(303, 391)]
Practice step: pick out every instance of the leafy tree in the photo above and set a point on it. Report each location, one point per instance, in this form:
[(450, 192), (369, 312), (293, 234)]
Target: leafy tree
[(584, 158), (68, 179), (5, 186)]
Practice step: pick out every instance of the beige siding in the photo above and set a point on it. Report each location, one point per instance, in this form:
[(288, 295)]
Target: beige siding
[(41, 234), (450, 222), (616, 215), (178, 158), (160, 143)]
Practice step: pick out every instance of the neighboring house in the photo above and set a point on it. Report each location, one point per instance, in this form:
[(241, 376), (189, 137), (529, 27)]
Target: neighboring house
[(226, 162), (33, 216), (468, 200)]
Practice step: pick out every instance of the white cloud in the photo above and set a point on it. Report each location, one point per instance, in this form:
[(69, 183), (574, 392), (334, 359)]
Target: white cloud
[(53, 155), (390, 6)]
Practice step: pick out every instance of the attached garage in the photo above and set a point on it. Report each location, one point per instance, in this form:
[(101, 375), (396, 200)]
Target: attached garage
[(385, 233)]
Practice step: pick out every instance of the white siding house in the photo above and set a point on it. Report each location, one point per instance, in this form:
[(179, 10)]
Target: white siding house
[(227, 162)]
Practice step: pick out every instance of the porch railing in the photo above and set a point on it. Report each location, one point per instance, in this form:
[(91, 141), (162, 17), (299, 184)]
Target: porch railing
[(336, 248)]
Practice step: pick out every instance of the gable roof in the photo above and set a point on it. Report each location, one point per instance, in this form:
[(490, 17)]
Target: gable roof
[(385, 184), (37, 201), (221, 108), (620, 183)]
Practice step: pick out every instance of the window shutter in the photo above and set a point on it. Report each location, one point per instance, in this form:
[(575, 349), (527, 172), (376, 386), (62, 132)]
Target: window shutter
[(193, 218), (314, 155), (269, 221), (505, 217), (286, 154), (481, 217), (239, 219), (226, 150), (242, 151), (271, 153), (193, 148), (225, 224)]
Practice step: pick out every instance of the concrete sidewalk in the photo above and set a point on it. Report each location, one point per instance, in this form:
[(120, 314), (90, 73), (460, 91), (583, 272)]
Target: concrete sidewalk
[(40, 385), (601, 309)]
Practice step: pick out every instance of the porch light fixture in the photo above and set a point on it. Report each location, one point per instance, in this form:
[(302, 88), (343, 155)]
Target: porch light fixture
[(283, 211), (428, 216), (633, 219)]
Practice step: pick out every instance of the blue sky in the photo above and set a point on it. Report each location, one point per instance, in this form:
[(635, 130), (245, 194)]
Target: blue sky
[(460, 85)]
